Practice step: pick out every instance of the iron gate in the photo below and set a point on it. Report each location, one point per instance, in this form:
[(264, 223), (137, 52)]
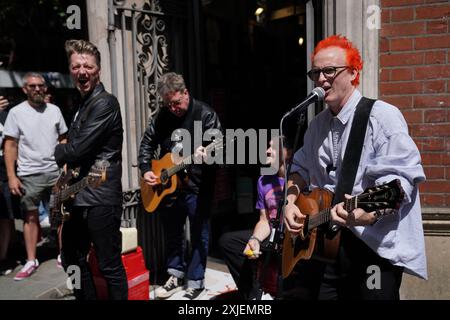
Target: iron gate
[(146, 39)]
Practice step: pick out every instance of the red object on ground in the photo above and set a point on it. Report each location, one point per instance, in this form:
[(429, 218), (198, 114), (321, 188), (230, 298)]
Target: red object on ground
[(138, 276)]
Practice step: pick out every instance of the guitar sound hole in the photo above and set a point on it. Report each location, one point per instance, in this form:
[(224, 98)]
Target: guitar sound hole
[(164, 177), (158, 189), (300, 244)]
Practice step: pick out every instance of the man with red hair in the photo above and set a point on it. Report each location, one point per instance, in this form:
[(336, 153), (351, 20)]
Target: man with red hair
[(375, 248)]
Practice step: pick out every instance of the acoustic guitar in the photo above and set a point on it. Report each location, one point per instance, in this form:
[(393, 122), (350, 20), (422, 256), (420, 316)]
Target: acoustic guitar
[(166, 170), (316, 205), (69, 184)]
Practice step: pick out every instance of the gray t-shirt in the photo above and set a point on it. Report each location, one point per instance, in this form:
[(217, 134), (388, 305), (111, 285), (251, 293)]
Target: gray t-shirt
[(37, 131)]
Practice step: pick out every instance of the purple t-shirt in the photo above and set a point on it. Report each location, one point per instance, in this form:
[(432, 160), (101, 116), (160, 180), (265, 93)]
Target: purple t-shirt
[(270, 191)]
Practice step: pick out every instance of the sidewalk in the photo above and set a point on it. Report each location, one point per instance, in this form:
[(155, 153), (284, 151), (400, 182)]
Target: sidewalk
[(218, 281), (49, 281)]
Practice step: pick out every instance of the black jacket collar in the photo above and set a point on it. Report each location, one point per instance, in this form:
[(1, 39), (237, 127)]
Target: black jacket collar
[(97, 90)]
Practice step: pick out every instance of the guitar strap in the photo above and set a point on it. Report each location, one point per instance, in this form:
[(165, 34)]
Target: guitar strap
[(353, 151)]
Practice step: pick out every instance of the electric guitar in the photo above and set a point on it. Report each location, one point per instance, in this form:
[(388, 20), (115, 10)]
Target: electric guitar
[(316, 206), (65, 189), (167, 170)]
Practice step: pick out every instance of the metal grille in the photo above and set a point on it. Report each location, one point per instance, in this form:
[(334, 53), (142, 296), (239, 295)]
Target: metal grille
[(138, 48)]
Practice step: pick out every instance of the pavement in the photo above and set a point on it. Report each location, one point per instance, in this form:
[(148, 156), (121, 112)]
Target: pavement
[(218, 282), (49, 282)]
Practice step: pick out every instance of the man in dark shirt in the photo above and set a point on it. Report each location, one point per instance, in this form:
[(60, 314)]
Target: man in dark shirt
[(96, 134), (180, 112)]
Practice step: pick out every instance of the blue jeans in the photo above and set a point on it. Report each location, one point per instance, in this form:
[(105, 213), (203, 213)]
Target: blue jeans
[(174, 218)]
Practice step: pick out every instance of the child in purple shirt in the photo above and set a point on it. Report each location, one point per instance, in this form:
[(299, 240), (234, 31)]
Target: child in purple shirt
[(241, 248)]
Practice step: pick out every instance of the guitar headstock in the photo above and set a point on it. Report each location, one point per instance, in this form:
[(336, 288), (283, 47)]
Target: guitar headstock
[(97, 174), (386, 196)]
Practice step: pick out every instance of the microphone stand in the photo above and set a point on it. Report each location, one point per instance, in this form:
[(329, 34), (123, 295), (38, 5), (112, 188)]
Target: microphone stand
[(276, 238)]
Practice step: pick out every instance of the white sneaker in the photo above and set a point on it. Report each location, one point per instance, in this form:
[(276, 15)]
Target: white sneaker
[(172, 286), (266, 296), (59, 261), (27, 270), (193, 293)]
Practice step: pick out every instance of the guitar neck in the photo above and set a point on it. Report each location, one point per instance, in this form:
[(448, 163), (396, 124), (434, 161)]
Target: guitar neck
[(324, 216), (184, 164), (74, 188), (189, 160)]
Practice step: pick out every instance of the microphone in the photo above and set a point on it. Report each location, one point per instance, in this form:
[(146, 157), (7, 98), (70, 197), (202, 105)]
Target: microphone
[(317, 94)]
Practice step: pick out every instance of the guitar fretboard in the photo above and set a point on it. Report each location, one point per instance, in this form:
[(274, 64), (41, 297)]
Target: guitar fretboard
[(188, 160), (72, 189), (324, 216)]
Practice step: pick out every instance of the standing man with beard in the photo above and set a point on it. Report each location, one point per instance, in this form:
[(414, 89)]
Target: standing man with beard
[(96, 133), (32, 130)]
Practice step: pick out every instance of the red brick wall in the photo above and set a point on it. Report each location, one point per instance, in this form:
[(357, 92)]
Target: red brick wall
[(415, 76)]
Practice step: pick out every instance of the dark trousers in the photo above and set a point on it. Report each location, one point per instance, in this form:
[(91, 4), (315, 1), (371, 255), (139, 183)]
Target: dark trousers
[(99, 226), (250, 275), (232, 244), (359, 274)]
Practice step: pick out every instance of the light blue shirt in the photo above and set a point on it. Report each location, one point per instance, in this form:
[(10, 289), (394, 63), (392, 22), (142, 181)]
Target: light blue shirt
[(388, 153)]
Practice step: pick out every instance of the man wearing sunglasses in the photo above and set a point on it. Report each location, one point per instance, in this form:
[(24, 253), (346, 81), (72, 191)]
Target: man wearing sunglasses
[(390, 244), (32, 130)]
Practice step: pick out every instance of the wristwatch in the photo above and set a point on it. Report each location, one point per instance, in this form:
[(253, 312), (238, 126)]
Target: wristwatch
[(253, 237)]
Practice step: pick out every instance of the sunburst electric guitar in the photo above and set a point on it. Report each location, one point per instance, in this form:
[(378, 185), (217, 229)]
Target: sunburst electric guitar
[(316, 205), (167, 170), (69, 184)]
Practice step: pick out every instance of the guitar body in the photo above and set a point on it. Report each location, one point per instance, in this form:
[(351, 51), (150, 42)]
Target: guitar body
[(57, 213), (152, 196), (68, 185), (166, 170), (316, 206), (313, 242), (66, 208)]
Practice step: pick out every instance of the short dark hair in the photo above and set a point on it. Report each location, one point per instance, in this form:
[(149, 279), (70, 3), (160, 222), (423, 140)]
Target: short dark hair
[(82, 46)]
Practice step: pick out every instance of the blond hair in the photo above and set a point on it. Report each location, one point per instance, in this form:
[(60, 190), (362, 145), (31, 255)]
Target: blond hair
[(82, 46)]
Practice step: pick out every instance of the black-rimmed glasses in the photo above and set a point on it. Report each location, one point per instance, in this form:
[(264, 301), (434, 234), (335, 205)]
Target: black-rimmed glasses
[(174, 103), (328, 72)]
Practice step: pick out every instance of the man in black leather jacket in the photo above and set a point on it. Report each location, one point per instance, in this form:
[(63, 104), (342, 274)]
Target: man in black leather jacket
[(193, 198), (96, 133)]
